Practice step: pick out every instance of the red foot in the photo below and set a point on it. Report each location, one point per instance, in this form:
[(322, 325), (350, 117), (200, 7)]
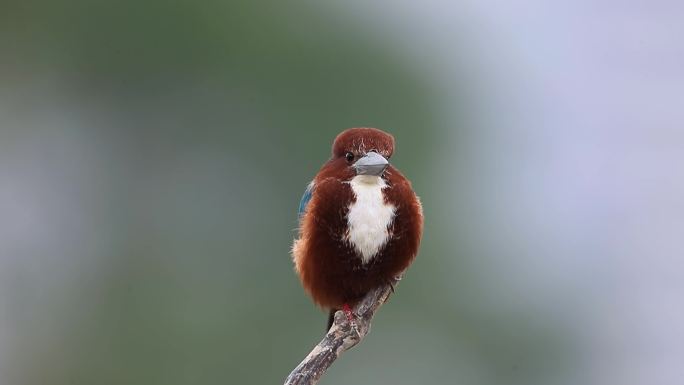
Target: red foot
[(348, 312)]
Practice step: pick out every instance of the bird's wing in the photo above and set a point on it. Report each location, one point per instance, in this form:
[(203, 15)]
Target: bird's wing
[(305, 199)]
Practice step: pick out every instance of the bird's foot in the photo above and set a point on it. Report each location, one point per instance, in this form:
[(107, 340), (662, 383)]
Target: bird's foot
[(351, 317), (393, 281), (348, 312)]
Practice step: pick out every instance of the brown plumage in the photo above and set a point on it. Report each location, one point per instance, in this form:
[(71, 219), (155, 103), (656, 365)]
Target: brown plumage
[(334, 265)]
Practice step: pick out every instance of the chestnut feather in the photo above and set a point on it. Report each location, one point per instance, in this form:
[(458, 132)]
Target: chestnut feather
[(329, 267)]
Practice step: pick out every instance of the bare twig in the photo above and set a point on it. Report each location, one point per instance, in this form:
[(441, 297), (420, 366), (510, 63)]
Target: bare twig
[(342, 336)]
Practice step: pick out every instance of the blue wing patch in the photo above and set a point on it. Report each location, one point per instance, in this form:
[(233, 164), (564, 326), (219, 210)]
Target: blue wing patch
[(305, 199)]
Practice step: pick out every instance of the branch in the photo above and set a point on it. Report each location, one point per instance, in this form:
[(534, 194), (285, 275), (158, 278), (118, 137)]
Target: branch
[(342, 336)]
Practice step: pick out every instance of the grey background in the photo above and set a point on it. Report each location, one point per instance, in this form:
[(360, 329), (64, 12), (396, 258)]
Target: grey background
[(152, 155)]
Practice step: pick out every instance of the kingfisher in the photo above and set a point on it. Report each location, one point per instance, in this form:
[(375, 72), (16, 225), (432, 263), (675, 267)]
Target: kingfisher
[(360, 223)]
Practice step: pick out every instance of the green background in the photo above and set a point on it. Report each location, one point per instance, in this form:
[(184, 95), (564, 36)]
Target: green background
[(153, 155)]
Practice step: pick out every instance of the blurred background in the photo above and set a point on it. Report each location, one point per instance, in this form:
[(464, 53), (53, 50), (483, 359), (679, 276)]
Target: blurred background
[(153, 153)]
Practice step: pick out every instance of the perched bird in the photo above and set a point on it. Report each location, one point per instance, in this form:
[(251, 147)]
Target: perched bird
[(360, 222)]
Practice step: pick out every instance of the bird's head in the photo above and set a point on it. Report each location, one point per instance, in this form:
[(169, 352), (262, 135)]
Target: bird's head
[(360, 151)]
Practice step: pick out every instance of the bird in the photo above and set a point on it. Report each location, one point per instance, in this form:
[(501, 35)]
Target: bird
[(360, 222)]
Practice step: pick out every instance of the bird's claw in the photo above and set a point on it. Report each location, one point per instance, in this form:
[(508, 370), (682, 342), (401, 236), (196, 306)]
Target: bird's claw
[(348, 312), (354, 326), (351, 317), (392, 281)]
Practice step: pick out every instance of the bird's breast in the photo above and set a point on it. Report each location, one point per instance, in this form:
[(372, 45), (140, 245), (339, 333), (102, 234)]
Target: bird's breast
[(369, 217)]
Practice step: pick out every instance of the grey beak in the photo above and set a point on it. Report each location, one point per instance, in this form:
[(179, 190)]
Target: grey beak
[(371, 164)]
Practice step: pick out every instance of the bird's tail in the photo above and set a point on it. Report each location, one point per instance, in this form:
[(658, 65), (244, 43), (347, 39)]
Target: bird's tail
[(331, 319)]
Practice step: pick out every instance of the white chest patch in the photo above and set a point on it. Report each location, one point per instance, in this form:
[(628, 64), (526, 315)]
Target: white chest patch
[(369, 216)]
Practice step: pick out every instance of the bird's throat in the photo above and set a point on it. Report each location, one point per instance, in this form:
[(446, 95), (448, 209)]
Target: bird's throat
[(369, 216)]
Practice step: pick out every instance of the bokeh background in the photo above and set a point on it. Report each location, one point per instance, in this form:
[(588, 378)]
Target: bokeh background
[(153, 153)]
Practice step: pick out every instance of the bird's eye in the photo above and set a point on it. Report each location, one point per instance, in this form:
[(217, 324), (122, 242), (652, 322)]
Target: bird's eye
[(349, 156)]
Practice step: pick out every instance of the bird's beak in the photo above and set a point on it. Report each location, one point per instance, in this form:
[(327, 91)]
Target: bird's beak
[(371, 164)]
